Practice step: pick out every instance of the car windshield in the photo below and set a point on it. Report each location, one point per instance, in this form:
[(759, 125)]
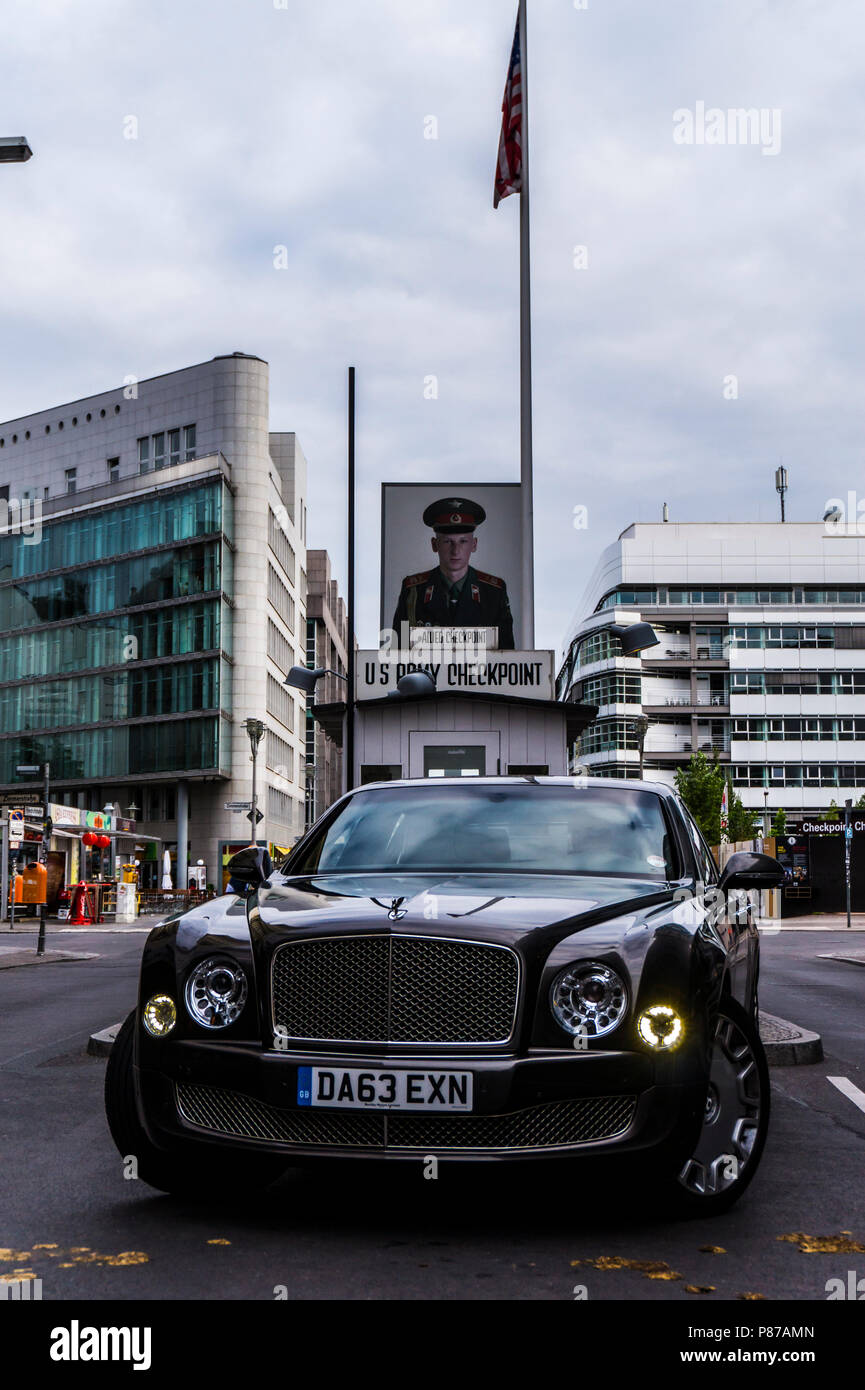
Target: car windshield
[(571, 829)]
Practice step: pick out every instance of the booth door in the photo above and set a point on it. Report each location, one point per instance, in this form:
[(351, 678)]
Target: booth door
[(451, 754)]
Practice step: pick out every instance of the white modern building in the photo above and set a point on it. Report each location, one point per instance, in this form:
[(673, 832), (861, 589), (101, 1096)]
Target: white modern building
[(761, 657), (157, 604)]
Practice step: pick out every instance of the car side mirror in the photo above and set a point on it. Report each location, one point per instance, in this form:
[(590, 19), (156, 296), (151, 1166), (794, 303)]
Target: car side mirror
[(251, 867), (745, 869)]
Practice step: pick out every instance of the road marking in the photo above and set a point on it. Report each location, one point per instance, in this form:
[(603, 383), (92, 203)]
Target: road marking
[(849, 1090)]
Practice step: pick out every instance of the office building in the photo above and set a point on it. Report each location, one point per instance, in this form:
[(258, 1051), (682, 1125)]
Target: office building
[(158, 604), (326, 649), (761, 658)]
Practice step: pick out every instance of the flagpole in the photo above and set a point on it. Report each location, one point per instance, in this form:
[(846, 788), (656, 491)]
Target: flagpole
[(528, 544)]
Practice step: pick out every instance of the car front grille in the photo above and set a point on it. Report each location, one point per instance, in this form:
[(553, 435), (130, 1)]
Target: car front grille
[(391, 988), (559, 1124)]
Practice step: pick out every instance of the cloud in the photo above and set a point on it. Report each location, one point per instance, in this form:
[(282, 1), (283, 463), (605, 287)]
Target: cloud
[(304, 127)]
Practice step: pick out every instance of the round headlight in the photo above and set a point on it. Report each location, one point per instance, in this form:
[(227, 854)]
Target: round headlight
[(661, 1027), (216, 992), (589, 999), (159, 1015)]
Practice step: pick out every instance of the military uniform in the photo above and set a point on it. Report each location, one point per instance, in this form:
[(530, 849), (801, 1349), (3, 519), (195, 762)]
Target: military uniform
[(478, 600)]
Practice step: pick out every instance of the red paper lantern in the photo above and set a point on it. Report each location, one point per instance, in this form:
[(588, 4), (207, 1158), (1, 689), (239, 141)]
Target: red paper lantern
[(89, 839), (103, 841)]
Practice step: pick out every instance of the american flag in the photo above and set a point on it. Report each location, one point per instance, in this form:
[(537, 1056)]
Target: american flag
[(509, 171)]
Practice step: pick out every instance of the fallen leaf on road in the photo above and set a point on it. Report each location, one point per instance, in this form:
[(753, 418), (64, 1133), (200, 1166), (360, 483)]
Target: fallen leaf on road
[(751, 1296), (699, 1288), (824, 1245), (650, 1269), (712, 1250), (219, 1240)]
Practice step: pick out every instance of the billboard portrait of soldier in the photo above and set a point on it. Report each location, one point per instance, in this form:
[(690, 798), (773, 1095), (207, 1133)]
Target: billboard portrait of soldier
[(455, 592)]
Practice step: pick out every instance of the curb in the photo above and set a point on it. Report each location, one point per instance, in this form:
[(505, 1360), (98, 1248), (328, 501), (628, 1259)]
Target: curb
[(100, 1044), (788, 1045), (10, 959)]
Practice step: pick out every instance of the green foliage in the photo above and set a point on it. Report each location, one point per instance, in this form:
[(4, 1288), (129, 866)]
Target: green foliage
[(742, 824), (701, 786), (832, 813), (860, 804), (779, 824)]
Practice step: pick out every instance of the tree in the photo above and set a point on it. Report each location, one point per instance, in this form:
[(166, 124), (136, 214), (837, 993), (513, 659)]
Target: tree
[(779, 824), (701, 786), (860, 804), (740, 821), (832, 813)]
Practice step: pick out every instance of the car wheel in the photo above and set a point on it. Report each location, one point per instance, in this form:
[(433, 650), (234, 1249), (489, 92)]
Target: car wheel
[(205, 1175), (728, 1149)]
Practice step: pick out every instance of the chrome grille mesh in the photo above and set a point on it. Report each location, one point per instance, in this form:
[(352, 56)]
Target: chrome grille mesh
[(401, 989), (245, 1117), (558, 1124)]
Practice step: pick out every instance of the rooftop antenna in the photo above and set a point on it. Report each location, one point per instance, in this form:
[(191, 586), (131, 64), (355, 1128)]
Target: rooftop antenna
[(666, 515), (781, 487)]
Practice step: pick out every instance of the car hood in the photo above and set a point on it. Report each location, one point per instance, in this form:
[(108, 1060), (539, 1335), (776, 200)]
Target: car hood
[(495, 906)]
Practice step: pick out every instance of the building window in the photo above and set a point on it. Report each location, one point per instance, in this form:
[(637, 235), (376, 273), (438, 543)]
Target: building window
[(189, 441), (173, 447), (144, 463), (159, 450), (71, 476), (113, 470)]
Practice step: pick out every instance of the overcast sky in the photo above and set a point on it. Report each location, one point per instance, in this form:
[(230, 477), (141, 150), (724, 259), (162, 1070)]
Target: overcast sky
[(304, 126)]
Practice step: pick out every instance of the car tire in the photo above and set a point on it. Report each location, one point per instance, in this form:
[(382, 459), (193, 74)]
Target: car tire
[(203, 1176), (730, 1144)]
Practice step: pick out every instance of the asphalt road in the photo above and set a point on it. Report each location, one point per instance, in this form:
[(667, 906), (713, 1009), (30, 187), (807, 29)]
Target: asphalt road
[(382, 1232)]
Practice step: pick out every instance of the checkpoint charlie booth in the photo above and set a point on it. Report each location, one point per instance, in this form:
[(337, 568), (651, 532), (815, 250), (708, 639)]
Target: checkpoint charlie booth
[(446, 694)]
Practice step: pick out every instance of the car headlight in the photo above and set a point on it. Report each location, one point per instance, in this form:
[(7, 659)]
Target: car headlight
[(589, 999), (661, 1027), (159, 1015), (216, 992)]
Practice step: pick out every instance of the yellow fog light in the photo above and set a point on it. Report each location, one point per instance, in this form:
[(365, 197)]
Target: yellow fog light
[(160, 1015), (661, 1027)]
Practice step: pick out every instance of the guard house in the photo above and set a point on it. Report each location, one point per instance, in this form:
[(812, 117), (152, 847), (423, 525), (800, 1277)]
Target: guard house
[(490, 713)]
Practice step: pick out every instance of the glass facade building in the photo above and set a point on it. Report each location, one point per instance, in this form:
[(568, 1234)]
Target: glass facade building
[(115, 639)]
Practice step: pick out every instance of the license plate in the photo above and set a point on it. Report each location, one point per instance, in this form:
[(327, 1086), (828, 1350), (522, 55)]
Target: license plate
[(357, 1088)]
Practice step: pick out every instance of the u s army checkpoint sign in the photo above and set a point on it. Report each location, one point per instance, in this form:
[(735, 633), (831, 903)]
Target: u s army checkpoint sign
[(525, 674)]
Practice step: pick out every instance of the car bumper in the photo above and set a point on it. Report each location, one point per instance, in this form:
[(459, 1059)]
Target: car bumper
[(240, 1097)]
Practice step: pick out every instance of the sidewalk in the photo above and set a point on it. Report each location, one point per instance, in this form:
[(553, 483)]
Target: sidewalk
[(819, 921)]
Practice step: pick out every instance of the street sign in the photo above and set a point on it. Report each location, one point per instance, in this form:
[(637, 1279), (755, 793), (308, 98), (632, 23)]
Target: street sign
[(259, 816), (16, 827), (238, 805)]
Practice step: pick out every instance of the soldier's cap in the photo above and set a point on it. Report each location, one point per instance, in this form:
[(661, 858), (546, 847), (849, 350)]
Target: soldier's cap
[(451, 515)]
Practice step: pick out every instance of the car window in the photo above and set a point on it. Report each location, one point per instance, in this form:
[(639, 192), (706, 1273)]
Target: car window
[(707, 868), (525, 829)]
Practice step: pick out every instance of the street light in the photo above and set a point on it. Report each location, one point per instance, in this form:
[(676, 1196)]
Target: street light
[(634, 637), (14, 149), (306, 678), (640, 727), (256, 730)]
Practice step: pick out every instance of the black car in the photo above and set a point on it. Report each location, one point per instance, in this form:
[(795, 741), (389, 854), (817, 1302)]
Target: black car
[(510, 968)]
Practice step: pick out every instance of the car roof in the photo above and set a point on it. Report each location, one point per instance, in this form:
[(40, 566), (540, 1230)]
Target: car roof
[(623, 783)]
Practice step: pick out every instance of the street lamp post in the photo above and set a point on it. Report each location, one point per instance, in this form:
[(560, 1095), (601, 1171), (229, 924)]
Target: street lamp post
[(640, 727), (848, 840), (256, 730)]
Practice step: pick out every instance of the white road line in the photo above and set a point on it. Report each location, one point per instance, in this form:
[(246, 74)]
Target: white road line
[(849, 1090)]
